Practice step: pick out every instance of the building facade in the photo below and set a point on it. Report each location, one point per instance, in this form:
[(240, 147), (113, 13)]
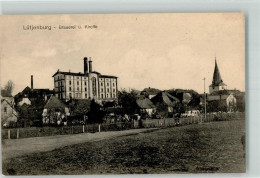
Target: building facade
[(9, 114), (217, 82), (87, 85)]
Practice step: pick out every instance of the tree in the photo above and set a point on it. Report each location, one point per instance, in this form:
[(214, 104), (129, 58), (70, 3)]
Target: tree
[(8, 89), (96, 115), (128, 101), (179, 108)]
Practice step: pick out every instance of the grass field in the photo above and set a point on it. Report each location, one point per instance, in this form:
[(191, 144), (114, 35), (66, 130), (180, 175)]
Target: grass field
[(201, 148)]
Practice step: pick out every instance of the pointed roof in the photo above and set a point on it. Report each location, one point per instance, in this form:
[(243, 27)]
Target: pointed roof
[(54, 102), (145, 103), (166, 98), (217, 80)]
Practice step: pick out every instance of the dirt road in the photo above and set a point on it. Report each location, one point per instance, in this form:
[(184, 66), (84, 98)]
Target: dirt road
[(17, 147)]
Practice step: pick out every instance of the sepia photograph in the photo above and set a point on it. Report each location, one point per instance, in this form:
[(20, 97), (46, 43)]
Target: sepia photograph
[(151, 93)]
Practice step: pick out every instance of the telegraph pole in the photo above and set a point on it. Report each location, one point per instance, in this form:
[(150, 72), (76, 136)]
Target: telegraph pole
[(205, 99)]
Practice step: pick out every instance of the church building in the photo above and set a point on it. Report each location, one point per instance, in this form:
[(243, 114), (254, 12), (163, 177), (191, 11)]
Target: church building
[(217, 82), (87, 85)]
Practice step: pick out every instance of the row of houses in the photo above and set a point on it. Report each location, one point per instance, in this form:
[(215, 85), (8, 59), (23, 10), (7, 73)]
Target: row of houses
[(73, 92)]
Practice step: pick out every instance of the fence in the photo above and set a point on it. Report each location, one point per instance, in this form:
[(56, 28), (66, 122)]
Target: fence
[(92, 128)]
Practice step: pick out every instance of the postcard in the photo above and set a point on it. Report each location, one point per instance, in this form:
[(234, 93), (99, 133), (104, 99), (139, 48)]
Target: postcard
[(155, 93)]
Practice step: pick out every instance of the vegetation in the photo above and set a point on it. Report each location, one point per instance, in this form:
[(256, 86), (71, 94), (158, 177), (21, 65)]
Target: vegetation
[(95, 115), (8, 89), (128, 101)]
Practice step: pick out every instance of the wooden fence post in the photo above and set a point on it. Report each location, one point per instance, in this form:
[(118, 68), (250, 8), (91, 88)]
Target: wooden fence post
[(98, 127), (9, 134), (83, 128), (17, 133)]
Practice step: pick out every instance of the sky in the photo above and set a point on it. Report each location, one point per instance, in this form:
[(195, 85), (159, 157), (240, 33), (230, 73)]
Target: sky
[(162, 51)]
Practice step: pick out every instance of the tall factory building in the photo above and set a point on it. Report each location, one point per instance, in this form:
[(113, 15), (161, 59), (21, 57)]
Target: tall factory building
[(87, 85)]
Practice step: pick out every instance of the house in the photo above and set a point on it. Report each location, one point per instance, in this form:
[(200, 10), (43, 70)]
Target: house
[(146, 106), (186, 98), (224, 100), (165, 102), (150, 92), (55, 111), (30, 104), (9, 115)]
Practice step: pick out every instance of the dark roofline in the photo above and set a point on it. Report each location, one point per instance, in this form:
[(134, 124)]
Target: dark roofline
[(82, 74), (70, 73), (107, 76)]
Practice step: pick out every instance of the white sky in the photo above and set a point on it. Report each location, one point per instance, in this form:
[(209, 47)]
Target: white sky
[(158, 50)]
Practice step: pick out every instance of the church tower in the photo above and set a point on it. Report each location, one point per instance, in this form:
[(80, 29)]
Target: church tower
[(217, 82)]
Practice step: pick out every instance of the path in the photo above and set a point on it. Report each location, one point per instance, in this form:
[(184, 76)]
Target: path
[(17, 147)]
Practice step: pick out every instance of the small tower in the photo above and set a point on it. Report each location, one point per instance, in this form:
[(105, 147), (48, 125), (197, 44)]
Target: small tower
[(217, 82)]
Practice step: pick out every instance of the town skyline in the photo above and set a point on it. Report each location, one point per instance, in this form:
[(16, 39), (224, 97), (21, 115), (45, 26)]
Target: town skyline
[(180, 59)]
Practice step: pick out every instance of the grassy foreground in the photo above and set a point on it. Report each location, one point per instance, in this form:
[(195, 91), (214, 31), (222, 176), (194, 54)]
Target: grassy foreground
[(203, 148)]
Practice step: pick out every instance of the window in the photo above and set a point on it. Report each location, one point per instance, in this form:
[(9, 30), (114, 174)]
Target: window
[(70, 82), (5, 109), (107, 84), (113, 84), (114, 90), (85, 83), (58, 77), (102, 90), (101, 84), (78, 88), (108, 90), (70, 89), (85, 89), (114, 95), (102, 96), (77, 77), (77, 82), (86, 95), (107, 95), (94, 91), (70, 95)]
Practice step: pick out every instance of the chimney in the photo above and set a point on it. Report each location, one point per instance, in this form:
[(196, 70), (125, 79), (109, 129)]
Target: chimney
[(32, 82), (90, 64), (85, 65)]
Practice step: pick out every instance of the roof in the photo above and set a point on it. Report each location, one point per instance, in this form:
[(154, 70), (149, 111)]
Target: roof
[(145, 103), (54, 102), (83, 74), (151, 91), (107, 76), (217, 80), (70, 73), (166, 98), (186, 97)]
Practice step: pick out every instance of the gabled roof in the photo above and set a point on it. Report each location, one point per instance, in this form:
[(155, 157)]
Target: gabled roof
[(145, 103), (166, 98), (54, 102), (217, 80)]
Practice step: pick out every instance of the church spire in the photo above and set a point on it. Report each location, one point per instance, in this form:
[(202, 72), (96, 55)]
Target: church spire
[(217, 80)]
